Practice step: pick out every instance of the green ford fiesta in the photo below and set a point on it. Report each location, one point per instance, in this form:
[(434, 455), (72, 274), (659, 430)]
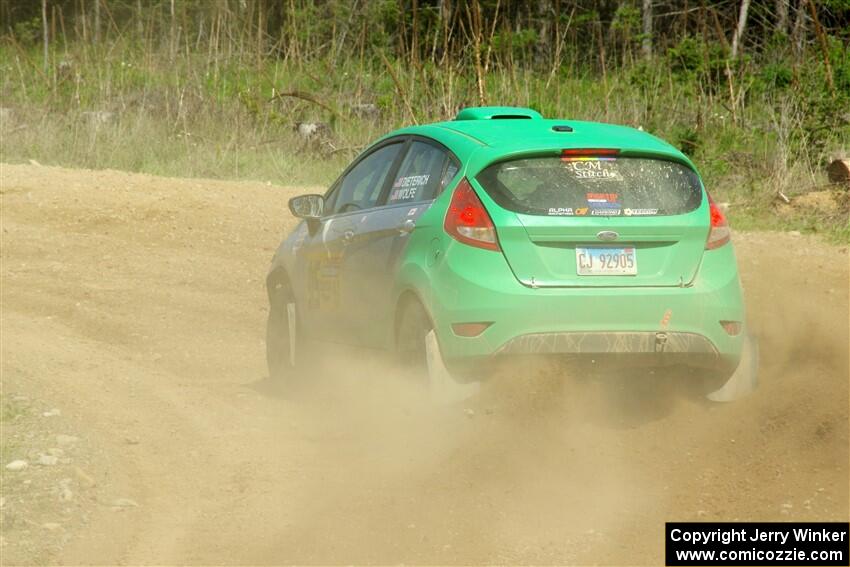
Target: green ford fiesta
[(503, 233)]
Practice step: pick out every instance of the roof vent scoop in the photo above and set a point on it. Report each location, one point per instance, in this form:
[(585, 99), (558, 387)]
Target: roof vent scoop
[(498, 113)]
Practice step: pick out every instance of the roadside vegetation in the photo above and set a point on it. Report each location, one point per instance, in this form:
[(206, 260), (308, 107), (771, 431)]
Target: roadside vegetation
[(756, 92)]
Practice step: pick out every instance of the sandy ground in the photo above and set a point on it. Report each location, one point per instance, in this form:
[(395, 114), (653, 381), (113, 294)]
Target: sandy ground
[(135, 306)]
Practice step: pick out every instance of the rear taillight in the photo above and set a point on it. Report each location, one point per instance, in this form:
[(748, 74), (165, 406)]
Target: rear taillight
[(467, 220), (719, 233)]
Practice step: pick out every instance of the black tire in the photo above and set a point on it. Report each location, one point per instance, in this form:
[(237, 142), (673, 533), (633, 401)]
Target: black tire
[(413, 325)]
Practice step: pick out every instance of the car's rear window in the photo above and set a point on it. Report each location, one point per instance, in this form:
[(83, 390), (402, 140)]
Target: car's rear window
[(593, 186)]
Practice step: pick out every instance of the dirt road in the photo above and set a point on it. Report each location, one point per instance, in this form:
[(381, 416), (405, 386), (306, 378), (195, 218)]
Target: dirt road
[(135, 305)]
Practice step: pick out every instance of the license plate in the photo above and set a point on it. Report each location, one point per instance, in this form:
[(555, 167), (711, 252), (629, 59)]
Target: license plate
[(606, 262)]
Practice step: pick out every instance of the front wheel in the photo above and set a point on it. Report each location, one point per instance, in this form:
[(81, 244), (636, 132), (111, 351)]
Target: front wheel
[(281, 341), (413, 326)]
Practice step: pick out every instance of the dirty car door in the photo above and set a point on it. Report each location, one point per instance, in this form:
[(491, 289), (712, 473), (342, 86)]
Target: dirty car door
[(328, 310), (383, 234)]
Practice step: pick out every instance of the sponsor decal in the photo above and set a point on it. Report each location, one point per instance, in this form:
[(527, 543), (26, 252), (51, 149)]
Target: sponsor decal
[(603, 200), (581, 211), (640, 212), (592, 167), (602, 197), (403, 194), (412, 212), (603, 204), (323, 278), (561, 211), (406, 188), (411, 181)]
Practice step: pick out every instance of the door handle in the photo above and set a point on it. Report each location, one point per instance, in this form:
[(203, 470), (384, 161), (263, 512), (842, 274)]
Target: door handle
[(407, 226), (347, 236)]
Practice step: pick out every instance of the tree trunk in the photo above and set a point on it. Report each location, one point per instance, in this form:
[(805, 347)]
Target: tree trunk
[(96, 31), (140, 25), (171, 32), (798, 35), (782, 16), (739, 30), (261, 38), (824, 46), (46, 37), (414, 34), (646, 42), (544, 43)]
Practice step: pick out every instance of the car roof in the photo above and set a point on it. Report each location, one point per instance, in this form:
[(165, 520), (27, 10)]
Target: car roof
[(483, 139)]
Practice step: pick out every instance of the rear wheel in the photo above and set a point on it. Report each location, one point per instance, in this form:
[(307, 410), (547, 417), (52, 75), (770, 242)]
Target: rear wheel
[(413, 326), (417, 348), (744, 379)]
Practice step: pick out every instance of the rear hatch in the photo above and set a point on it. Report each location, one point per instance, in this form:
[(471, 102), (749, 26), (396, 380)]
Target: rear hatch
[(598, 220)]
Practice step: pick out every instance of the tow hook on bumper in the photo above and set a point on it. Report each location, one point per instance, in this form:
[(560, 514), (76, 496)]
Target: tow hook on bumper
[(660, 341)]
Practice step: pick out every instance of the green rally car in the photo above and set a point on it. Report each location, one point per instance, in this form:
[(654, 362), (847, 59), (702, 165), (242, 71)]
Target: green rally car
[(503, 233)]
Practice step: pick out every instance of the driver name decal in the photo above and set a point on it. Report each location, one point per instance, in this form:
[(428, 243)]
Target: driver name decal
[(406, 188)]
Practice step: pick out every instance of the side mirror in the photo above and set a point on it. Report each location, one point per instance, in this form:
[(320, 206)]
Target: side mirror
[(307, 207)]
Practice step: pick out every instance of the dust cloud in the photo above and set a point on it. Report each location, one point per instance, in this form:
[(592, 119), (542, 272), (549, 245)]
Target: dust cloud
[(135, 304)]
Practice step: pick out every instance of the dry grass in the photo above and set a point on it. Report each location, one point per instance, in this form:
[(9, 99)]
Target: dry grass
[(186, 114)]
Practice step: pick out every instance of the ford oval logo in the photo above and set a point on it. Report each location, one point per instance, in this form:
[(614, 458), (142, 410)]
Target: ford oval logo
[(607, 235)]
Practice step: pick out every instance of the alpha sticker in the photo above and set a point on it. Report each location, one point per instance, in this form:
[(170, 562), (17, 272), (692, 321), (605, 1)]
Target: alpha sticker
[(560, 211)]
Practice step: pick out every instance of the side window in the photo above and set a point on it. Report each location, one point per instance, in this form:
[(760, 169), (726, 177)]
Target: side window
[(419, 175), (361, 187), (451, 171)]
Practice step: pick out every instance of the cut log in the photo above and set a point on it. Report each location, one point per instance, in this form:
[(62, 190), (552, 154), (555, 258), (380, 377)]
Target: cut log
[(311, 129), (839, 171)]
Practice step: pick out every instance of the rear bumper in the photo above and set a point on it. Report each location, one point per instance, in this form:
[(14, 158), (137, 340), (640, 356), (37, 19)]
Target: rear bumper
[(611, 342), (674, 323)]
